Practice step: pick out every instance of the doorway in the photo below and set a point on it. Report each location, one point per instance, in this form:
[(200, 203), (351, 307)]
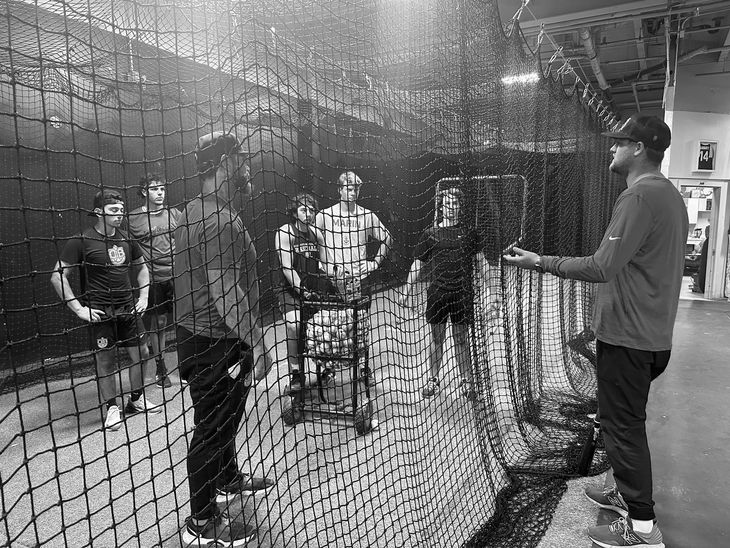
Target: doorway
[(706, 246)]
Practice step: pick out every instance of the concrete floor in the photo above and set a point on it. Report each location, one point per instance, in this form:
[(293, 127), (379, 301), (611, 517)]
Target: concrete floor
[(689, 435), (687, 425)]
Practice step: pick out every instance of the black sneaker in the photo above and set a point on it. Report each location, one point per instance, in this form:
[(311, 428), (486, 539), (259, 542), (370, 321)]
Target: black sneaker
[(243, 484), (163, 381), (218, 531), (161, 378)]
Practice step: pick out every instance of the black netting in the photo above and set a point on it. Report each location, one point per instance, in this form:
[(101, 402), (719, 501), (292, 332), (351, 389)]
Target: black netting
[(415, 97)]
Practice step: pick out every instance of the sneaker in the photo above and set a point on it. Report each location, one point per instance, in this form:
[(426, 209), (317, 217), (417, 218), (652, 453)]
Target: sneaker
[(431, 388), (142, 405), (621, 533), (163, 381), (608, 499), (161, 378), (243, 484), (218, 531), (468, 390), (113, 418)]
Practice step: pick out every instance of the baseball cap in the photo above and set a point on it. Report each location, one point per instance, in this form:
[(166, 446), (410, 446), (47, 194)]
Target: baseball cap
[(105, 197), (212, 146), (650, 130)]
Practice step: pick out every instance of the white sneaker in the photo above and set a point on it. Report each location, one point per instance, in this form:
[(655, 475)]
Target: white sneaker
[(113, 418), (142, 405)]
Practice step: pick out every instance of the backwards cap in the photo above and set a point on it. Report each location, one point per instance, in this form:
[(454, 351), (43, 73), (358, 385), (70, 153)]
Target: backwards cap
[(105, 197), (212, 146)]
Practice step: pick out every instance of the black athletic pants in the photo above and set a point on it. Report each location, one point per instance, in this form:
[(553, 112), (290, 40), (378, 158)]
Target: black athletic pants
[(624, 378), (218, 402)]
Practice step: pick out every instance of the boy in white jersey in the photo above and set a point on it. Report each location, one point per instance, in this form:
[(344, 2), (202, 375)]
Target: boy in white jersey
[(346, 228)]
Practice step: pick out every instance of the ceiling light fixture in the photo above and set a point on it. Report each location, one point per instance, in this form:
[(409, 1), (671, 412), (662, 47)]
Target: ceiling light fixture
[(527, 78)]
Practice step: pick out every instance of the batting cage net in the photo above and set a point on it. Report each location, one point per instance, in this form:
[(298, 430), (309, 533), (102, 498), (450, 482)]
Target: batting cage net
[(381, 157)]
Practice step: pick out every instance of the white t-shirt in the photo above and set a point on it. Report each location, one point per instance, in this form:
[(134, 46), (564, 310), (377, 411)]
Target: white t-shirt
[(346, 234)]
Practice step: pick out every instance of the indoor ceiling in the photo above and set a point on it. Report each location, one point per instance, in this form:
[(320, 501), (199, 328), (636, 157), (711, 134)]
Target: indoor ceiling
[(622, 48)]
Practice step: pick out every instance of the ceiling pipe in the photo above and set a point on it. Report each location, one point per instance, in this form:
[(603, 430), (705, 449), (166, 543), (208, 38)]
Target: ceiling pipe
[(590, 47), (604, 16), (636, 97), (694, 53)]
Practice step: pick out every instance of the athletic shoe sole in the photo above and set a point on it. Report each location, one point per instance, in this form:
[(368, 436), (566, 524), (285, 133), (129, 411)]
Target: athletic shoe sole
[(606, 545), (624, 513), (194, 541), (223, 498)]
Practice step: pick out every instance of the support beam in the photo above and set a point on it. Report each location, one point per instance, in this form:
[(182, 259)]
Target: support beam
[(724, 54), (640, 46)]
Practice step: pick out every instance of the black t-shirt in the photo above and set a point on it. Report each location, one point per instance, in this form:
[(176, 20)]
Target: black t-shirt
[(451, 250), (305, 261), (104, 263)]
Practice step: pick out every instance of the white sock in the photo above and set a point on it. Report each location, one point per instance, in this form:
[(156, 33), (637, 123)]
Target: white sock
[(643, 526)]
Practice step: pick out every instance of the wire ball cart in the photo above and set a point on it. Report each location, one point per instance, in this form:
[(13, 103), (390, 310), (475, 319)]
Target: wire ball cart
[(334, 337)]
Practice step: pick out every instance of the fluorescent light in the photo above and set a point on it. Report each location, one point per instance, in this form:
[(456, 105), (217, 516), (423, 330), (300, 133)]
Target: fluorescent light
[(527, 78)]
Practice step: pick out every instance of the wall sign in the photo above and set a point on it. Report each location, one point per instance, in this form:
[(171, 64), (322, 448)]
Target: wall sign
[(705, 156)]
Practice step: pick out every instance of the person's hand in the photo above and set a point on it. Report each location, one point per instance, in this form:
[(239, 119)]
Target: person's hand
[(140, 306), (308, 295), (263, 362), (522, 258), (91, 315)]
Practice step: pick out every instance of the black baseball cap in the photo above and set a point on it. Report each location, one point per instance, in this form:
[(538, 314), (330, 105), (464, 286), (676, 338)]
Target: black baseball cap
[(650, 130), (105, 197), (212, 146)]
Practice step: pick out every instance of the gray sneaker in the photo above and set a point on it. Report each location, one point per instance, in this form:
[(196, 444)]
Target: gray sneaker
[(608, 499), (621, 533), (243, 484), (219, 531)]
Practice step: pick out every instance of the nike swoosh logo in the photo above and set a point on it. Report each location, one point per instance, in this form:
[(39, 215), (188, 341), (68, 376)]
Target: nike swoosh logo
[(612, 238)]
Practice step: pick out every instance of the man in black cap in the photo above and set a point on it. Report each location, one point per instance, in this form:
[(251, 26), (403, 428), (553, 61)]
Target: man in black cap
[(104, 256), (218, 336), (638, 267)]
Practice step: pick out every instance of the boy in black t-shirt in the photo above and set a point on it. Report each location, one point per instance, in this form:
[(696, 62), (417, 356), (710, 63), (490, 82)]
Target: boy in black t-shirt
[(103, 255), (450, 246)]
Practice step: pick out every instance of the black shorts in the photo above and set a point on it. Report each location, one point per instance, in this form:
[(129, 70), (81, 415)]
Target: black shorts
[(161, 297), (443, 304), (120, 327), (289, 299)]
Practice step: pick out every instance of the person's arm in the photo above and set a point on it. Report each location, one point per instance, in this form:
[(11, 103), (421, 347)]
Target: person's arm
[(413, 274), (143, 284), (284, 250), (421, 255), (626, 233), (319, 232), (235, 289), (380, 233), (61, 284)]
